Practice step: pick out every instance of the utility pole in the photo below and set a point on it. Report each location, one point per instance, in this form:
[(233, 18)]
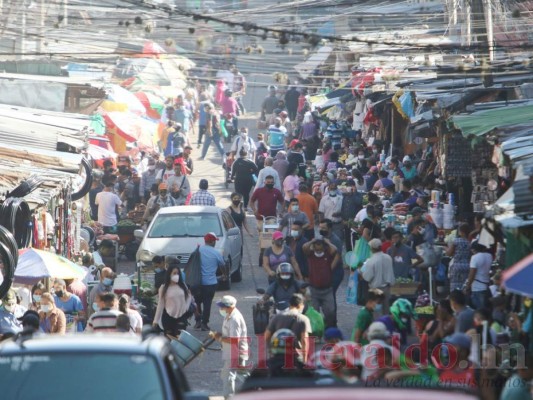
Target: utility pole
[(490, 32), (40, 41), (65, 12)]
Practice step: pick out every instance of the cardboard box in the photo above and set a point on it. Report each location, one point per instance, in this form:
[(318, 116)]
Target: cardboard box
[(265, 239)]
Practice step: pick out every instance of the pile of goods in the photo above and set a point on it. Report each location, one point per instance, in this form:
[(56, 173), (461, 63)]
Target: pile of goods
[(400, 209)]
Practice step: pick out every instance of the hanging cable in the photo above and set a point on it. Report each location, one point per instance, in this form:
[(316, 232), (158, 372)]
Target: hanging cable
[(88, 181)]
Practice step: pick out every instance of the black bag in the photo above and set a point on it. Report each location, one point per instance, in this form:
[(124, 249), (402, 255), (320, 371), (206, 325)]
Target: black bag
[(261, 318), (362, 291), (193, 269)]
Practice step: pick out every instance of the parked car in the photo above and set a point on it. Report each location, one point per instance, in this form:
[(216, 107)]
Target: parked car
[(177, 231), (92, 367)]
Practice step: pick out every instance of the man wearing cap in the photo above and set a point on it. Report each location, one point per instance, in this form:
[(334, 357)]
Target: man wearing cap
[(179, 184), (378, 272), (234, 339), (162, 200), (211, 260), (9, 324), (202, 197)]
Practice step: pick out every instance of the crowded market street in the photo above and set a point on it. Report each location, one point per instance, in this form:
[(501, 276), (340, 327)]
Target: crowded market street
[(266, 200)]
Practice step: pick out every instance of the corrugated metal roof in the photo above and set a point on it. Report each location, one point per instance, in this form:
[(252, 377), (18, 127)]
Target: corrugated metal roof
[(43, 129)]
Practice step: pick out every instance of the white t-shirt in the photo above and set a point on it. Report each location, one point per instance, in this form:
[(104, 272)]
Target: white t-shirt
[(107, 202), (361, 215), (481, 262), (164, 174)]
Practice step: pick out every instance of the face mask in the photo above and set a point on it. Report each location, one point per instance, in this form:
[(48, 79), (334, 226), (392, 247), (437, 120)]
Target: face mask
[(332, 194), (36, 298), (244, 135), (107, 281), (158, 270), (9, 308), (278, 243), (378, 307), (269, 185), (295, 234), (46, 308), (236, 202), (96, 307), (295, 208), (404, 320), (323, 233), (175, 278), (222, 312), (422, 230), (151, 168), (319, 254), (361, 157), (285, 276), (59, 293)]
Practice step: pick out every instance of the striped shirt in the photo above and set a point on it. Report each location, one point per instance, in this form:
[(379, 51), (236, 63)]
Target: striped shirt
[(276, 137), (104, 320)]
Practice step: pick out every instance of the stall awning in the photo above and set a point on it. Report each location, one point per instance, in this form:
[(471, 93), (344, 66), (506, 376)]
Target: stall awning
[(482, 122), (307, 67)]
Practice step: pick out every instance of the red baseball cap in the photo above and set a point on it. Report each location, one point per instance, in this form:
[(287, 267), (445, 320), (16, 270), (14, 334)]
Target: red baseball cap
[(277, 235), (293, 143), (210, 237)]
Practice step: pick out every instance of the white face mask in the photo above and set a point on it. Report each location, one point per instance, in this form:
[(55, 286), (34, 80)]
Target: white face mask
[(151, 168), (46, 308), (285, 276), (404, 320), (422, 230), (295, 208), (361, 157), (321, 254), (222, 312), (295, 234), (175, 278)]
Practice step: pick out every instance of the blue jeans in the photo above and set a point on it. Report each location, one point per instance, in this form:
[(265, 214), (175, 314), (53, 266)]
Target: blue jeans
[(479, 299), (216, 139)]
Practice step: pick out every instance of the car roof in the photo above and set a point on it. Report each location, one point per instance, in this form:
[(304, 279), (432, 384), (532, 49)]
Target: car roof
[(79, 343), (190, 210), (354, 393)]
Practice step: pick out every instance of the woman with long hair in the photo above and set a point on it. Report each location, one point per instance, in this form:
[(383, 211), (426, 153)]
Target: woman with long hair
[(236, 209), (173, 308), (36, 293), (52, 319)]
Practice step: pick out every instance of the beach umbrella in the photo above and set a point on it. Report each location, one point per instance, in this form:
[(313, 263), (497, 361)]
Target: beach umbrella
[(34, 265), (518, 278), (154, 104), (120, 95)]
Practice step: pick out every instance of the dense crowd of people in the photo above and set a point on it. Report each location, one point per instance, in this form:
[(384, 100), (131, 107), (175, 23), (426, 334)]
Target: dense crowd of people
[(342, 206)]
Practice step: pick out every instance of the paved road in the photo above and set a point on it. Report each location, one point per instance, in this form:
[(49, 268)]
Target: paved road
[(203, 373)]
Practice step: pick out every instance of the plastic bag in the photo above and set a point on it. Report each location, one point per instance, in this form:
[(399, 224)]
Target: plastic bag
[(362, 252), (317, 321), (351, 291)]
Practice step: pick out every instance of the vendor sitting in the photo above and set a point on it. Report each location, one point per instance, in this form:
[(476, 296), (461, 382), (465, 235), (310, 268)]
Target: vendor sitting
[(106, 248)]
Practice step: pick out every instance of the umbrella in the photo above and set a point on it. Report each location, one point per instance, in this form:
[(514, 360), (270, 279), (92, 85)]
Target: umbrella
[(154, 104), (120, 95), (34, 265), (518, 278)]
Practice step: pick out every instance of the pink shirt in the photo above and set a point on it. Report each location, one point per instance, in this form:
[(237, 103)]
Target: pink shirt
[(229, 105), (291, 182)]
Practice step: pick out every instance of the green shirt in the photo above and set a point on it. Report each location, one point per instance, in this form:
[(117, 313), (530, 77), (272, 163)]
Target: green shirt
[(516, 389), (363, 321)]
